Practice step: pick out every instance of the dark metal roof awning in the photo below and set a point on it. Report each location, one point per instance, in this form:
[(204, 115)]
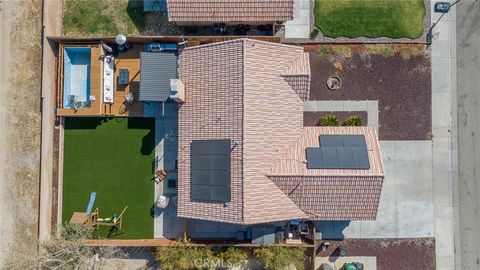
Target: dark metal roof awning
[(156, 70)]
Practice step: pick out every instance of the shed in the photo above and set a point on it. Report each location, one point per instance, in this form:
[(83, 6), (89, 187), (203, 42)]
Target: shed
[(156, 70)]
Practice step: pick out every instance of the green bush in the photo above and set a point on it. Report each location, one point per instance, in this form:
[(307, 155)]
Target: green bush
[(231, 255), (329, 120), (323, 51), (354, 120), (314, 33), (278, 258), (181, 255)]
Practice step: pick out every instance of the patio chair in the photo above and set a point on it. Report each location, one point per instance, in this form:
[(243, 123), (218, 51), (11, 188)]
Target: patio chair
[(160, 175)]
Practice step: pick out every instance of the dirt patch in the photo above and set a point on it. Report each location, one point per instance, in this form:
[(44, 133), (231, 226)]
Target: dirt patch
[(311, 119), (20, 70), (398, 76), (415, 253)]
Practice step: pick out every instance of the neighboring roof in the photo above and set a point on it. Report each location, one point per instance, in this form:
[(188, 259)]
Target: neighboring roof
[(156, 70), (331, 194), (230, 10), (231, 90)]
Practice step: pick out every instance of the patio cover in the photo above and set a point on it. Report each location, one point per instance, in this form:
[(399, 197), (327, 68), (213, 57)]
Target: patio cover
[(156, 70)]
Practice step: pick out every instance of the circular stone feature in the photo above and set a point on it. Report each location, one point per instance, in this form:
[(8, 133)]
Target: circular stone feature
[(334, 83)]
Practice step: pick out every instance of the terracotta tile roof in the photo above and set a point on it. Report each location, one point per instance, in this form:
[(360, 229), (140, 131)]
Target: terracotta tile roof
[(230, 10), (251, 92), (334, 197), (231, 89), (309, 138), (297, 75), (326, 194)]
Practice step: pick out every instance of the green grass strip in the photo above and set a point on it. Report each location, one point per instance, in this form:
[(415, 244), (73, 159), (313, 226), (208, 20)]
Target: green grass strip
[(370, 18)]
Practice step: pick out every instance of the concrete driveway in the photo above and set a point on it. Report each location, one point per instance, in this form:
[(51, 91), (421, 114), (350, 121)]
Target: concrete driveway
[(406, 204)]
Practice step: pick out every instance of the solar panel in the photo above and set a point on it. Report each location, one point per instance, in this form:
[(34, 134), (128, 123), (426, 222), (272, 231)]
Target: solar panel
[(330, 140), (339, 152), (210, 170), (361, 158), (314, 158), (329, 157), (345, 156), (354, 141)]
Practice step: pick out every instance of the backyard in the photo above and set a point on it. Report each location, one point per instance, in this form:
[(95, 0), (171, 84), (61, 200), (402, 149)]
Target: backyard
[(112, 157), (106, 17), (370, 18)]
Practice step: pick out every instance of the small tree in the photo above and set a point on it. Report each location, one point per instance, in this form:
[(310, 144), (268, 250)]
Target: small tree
[(353, 120), (329, 120), (279, 258), (183, 255), (66, 252)]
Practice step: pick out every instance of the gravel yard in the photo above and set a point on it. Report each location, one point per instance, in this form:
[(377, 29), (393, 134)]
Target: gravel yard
[(418, 253), (397, 75)]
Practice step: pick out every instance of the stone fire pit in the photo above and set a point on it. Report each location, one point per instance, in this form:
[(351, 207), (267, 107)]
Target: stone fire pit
[(334, 83)]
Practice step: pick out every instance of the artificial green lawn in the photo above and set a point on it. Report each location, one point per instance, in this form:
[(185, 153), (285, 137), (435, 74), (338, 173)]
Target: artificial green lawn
[(370, 18), (112, 157)]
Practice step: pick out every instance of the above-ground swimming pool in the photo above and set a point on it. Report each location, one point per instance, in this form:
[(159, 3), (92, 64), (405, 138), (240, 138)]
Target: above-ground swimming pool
[(76, 77)]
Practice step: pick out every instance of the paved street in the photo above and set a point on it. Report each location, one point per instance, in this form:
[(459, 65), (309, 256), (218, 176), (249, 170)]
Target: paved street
[(468, 71)]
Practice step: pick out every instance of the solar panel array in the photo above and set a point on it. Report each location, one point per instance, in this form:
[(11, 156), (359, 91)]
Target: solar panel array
[(210, 170), (339, 152)]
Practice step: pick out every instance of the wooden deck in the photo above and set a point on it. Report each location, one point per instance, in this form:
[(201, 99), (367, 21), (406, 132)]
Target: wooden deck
[(129, 60)]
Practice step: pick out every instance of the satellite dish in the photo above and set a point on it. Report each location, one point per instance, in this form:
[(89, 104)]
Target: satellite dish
[(120, 39)]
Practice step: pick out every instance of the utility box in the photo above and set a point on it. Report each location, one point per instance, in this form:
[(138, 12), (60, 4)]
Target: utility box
[(263, 236), (177, 90)]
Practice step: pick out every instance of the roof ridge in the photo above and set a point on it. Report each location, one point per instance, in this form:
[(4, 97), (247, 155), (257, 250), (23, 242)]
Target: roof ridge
[(301, 60), (214, 44)]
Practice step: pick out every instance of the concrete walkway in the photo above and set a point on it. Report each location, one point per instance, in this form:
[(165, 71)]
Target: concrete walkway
[(166, 152), (444, 144), (299, 27)]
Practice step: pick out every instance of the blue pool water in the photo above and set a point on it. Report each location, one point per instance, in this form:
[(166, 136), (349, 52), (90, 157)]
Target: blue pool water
[(76, 77)]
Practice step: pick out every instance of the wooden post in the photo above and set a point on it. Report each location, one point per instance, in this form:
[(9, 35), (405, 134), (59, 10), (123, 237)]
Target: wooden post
[(185, 229), (314, 231)]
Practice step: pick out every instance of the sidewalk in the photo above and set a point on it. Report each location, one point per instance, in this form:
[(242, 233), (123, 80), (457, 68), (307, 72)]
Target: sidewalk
[(444, 144)]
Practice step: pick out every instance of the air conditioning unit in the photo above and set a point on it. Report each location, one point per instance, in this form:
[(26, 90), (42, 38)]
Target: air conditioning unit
[(177, 90)]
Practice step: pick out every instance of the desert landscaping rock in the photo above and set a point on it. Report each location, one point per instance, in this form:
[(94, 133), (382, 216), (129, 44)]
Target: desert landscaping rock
[(402, 86)]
